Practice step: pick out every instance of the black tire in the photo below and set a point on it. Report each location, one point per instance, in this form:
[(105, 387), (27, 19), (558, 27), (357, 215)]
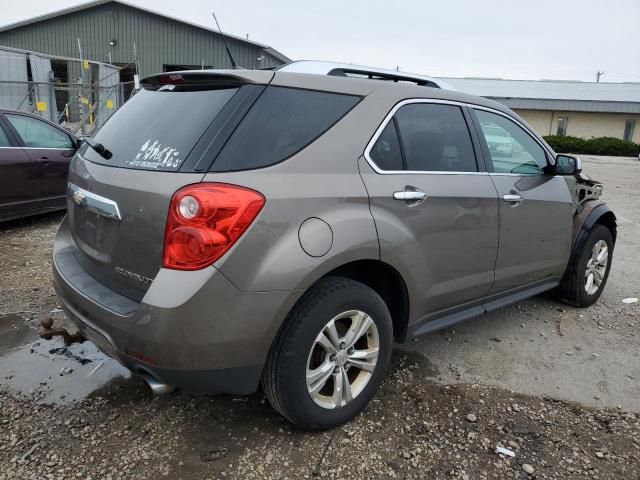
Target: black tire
[(284, 375), (572, 287)]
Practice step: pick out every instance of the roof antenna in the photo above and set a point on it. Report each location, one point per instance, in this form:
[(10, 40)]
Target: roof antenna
[(224, 40)]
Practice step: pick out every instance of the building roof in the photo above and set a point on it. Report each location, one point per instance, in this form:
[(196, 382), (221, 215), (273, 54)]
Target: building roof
[(96, 3), (555, 94), (4, 48)]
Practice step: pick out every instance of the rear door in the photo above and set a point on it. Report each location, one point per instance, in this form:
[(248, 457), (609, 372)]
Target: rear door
[(536, 209), (17, 174), (51, 150), (436, 212)]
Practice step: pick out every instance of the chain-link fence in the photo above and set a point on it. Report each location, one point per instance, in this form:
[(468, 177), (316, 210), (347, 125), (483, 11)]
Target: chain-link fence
[(78, 94)]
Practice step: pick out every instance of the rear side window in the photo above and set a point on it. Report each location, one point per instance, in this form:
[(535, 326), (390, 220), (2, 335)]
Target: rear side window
[(386, 153), (435, 138), (281, 123), (157, 129), (425, 137)]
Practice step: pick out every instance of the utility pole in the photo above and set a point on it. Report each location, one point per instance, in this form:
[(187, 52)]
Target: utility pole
[(598, 75)]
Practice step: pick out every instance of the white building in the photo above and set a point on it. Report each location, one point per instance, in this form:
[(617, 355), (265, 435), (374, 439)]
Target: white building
[(557, 107)]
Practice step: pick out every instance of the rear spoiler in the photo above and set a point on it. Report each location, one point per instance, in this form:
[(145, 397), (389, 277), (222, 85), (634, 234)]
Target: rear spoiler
[(209, 77)]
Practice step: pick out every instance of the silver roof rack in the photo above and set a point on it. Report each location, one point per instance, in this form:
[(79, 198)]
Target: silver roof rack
[(359, 71)]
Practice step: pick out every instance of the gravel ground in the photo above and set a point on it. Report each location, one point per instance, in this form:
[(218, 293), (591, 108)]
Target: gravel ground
[(413, 429), (510, 379)]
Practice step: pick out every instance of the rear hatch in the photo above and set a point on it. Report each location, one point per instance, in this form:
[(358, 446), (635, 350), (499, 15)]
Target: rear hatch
[(162, 139)]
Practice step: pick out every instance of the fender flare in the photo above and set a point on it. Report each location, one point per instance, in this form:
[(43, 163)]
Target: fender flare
[(589, 216)]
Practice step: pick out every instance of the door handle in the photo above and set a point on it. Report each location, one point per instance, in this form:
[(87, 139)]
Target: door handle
[(415, 197), (514, 198)]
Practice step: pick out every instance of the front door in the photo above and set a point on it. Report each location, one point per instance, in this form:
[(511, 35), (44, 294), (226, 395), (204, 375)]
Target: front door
[(51, 150), (435, 212), (536, 209)]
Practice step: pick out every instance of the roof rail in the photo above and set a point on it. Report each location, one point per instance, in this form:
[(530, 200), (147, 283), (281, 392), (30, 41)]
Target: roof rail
[(360, 71), (372, 75)]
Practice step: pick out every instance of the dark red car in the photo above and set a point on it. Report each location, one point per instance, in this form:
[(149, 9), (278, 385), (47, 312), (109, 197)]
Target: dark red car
[(34, 161)]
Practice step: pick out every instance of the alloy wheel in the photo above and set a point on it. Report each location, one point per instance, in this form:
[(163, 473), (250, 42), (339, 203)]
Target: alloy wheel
[(342, 359), (596, 267)]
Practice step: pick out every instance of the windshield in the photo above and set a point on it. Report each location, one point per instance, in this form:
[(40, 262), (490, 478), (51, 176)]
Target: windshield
[(156, 130)]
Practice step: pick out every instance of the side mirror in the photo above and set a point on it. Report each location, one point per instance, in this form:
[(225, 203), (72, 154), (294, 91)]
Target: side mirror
[(568, 165), (78, 142)]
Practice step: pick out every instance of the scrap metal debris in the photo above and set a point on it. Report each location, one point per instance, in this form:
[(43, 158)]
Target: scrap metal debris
[(28, 453), (505, 451), (95, 369)]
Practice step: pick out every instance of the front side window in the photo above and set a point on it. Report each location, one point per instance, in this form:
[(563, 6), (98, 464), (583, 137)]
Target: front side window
[(37, 134), (511, 149), (432, 138), (4, 141)]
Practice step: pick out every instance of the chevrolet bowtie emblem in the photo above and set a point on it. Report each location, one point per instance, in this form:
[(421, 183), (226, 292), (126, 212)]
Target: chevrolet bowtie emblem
[(78, 197)]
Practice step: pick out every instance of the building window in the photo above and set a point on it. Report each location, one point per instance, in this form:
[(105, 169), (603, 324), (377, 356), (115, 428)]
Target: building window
[(562, 126), (629, 128)]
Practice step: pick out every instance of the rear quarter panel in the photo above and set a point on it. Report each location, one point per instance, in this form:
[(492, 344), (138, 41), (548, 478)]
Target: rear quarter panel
[(321, 181)]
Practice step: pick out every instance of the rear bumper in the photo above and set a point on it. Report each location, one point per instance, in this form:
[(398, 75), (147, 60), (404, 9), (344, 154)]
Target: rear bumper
[(193, 330)]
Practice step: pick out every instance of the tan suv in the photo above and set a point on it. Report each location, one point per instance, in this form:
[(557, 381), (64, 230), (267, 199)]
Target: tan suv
[(232, 228)]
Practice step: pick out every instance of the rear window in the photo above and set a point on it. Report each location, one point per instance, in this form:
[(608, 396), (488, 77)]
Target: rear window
[(157, 129), (282, 122)]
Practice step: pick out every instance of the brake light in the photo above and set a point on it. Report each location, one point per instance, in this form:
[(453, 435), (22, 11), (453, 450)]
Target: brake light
[(171, 79), (204, 221)]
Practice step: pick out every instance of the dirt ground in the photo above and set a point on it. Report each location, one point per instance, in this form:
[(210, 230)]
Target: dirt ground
[(558, 387)]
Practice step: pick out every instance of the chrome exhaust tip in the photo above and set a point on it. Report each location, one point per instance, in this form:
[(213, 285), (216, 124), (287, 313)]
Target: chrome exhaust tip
[(158, 388)]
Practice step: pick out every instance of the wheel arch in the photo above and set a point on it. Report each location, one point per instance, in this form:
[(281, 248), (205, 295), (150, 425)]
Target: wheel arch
[(381, 277), (571, 289), (608, 219), (593, 213), (387, 282)]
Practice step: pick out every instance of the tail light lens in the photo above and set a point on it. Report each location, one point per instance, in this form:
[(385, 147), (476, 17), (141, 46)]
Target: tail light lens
[(204, 221)]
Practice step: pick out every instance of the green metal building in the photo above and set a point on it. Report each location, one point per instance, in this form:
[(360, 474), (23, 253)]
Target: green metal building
[(129, 36)]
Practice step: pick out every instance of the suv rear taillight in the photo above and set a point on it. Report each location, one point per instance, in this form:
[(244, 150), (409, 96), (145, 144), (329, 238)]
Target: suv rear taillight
[(204, 221)]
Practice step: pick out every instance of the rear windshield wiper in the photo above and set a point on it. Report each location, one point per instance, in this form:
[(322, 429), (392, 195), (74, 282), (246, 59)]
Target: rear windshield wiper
[(98, 148)]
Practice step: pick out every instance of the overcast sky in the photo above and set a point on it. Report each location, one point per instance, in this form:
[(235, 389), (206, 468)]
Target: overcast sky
[(525, 39)]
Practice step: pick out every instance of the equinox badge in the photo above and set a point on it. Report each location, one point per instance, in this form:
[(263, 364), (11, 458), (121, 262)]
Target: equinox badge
[(133, 276)]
